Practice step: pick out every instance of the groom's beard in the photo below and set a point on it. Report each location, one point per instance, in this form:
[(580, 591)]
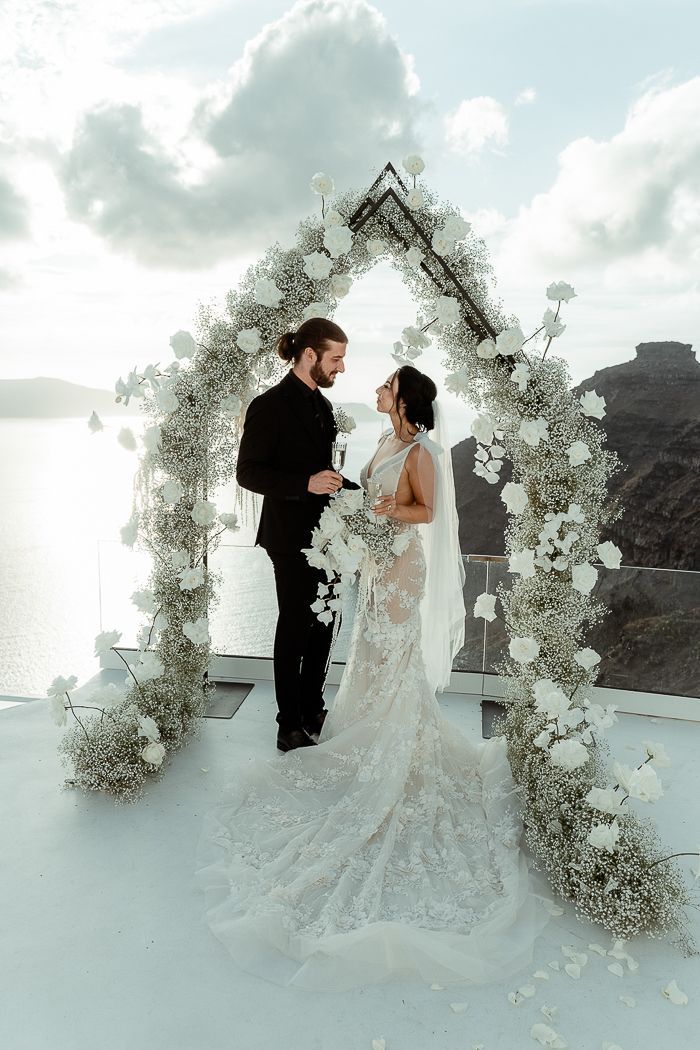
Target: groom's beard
[(320, 377)]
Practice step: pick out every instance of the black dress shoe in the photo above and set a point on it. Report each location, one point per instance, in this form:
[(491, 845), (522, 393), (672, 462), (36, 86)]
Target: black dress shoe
[(288, 739), (314, 723)]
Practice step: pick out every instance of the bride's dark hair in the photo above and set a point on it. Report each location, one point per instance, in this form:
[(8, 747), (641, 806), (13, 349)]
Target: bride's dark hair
[(418, 392), (317, 332)]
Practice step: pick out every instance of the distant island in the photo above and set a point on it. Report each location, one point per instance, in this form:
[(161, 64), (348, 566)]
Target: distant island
[(46, 398)]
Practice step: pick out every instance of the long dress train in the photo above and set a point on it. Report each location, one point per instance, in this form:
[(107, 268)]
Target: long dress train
[(392, 847)]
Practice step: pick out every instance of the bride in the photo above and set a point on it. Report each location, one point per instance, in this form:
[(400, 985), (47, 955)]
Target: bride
[(392, 847)]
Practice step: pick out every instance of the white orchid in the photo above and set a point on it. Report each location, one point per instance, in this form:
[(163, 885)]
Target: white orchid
[(485, 606), (322, 184), (569, 754), (524, 649), (642, 783), (131, 387), (458, 382), (605, 800), (341, 283), (560, 291), (578, 452), (249, 340), (592, 404), (656, 753), (515, 497), (553, 327), (532, 431), (197, 631), (486, 350), (604, 836), (95, 424), (583, 577), (267, 293), (609, 554), (203, 512)]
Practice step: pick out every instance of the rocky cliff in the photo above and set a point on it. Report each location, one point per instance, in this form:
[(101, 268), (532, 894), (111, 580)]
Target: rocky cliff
[(652, 420)]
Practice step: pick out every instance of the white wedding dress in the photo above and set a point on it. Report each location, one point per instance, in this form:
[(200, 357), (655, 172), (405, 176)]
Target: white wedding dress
[(392, 847)]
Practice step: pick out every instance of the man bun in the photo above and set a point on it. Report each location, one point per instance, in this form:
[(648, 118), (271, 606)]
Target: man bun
[(317, 332), (285, 346)]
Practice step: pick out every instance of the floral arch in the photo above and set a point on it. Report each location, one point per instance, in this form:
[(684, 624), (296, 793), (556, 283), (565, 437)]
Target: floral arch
[(594, 850)]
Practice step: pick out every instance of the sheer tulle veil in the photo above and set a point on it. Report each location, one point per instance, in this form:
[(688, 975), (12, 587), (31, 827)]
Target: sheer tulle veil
[(442, 607)]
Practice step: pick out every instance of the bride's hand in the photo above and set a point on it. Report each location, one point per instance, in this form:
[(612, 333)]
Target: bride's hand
[(385, 506)]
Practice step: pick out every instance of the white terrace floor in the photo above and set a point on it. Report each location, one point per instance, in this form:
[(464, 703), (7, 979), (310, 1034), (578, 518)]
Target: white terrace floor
[(104, 946)]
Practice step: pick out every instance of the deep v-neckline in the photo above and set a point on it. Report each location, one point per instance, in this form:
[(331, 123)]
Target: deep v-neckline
[(371, 469)]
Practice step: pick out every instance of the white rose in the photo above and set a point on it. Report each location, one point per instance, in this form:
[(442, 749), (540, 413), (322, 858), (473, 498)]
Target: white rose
[(337, 240), (248, 340), (605, 800), (315, 309), (578, 453), (560, 291), (553, 327), (317, 266), (332, 218), (413, 336), (553, 704), (126, 439), (148, 728), (509, 341), (482, 428), (587, 658), (149, 667), (191, 578), (520, 375), (173, 491), (130, 388), (153, 753), (522, 562), (532, 431), (341, 284), (414, 257), (569, 754), (229, 521), (203, 512), (447, 309), (180, 559), (415, 199), (231, 406), (95, 424), (514, 496), (542, 687), (129, 532), (604, 836), (375, 246), (592, 404), (524, 650), (441, 243), (486, 349), (583, 577), (144, 601), (197, 631), (322, 184), (152, 438), (182, 344), (167, 400), (455, 227), (485, 606), (57, 710), (458, 382), (610, 555), (105, 641), (267, 293), (414, 164), (657, 753)]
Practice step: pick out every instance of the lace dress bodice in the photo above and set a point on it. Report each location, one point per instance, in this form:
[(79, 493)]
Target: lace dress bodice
[(391, 847)]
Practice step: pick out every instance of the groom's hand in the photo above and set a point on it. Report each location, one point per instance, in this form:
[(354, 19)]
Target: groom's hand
[(324, 482)]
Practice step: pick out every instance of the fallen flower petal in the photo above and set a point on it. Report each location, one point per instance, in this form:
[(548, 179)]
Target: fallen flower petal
[(616, 968), (573, 970), (627, 1000), (437, 987), (674, 994), (527, 991), (598, 949), (542, 974), (459, 1008), (550, 1012)]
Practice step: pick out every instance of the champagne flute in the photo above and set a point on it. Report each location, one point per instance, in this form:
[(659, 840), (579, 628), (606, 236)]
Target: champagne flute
[(339, 449)]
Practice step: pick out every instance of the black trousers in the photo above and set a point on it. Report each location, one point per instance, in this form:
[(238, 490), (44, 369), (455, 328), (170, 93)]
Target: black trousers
[(302, 642)]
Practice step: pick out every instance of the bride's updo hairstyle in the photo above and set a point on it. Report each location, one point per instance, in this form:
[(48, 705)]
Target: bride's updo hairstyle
[(317, 332), (418, 392)]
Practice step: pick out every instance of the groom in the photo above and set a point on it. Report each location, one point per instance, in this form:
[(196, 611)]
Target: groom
[(285, 454)]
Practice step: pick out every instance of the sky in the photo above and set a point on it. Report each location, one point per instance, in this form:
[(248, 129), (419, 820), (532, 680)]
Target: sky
[(151, 149)]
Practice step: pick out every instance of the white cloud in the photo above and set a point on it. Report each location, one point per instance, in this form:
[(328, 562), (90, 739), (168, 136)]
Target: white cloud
[(525, 97), (325, 87), (630, 204), (476, 123)]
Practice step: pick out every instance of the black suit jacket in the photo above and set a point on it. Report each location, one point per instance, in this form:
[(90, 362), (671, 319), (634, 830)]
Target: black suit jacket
[(282, 445)]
